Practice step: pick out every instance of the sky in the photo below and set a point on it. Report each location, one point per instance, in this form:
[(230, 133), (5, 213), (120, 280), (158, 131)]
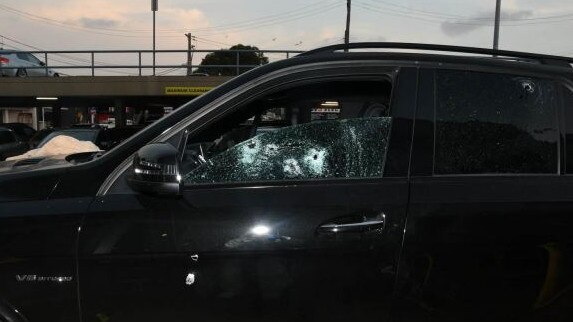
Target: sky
[(542, 26)]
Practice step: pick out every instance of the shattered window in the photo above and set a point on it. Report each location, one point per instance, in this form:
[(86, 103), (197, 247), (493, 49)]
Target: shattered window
[(495, 123), (345, 148)]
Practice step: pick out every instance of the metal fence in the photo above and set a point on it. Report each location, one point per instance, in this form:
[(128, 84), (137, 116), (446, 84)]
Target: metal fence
[(140, 62)]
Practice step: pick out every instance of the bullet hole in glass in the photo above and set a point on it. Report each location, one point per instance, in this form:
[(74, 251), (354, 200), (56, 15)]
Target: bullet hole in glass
[(346, 148)]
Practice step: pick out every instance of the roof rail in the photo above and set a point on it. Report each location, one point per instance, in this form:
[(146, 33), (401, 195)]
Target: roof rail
[(545, 59)]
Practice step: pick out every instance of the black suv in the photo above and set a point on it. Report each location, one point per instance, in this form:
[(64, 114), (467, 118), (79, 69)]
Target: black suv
[(339, 185)]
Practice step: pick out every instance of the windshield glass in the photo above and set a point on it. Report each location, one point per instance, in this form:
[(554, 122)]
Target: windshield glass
[(78, 135)]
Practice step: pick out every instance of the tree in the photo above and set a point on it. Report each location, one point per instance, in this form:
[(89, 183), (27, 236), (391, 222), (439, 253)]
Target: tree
[(230, 58)]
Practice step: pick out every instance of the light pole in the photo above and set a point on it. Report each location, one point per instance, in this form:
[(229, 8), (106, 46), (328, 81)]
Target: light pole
[(154, 7), (496, 27), (190, 47), (347, 32)]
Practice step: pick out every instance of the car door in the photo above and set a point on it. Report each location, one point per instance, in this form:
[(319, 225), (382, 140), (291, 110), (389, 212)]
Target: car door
[(23, 62), (489, 224), (35, 62), (307, 226), (38, 275)]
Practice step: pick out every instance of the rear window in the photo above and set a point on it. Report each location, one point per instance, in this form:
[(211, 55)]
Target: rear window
[(495, 123)]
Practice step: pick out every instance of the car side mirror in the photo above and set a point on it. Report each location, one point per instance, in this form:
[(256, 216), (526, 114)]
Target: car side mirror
[(156, 170)]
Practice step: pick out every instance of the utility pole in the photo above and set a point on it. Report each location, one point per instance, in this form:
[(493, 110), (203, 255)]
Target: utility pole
[(347, 32), (154, 8), (190, 48), (496, 27)]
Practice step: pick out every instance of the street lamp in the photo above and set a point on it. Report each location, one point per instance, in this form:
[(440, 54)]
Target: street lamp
[(154, 7), (496, 26)]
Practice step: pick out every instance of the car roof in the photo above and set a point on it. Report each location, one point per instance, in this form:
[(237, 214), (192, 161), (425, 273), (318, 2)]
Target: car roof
[(80, 129), (9, 51), (424, 54), (15, 124), (460, 50)]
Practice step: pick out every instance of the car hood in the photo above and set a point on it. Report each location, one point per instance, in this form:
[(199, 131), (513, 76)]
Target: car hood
[(47, 162), (31, 164)]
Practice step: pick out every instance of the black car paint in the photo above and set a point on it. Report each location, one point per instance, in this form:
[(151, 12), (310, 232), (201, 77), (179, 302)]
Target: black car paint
[(10, 149), (134, 251), (240, 275)]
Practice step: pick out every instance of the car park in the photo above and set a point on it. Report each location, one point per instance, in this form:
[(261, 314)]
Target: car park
[(337, 185), (16, 63)]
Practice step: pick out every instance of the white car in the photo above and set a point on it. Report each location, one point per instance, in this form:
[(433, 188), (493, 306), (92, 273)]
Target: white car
[(16, 63)]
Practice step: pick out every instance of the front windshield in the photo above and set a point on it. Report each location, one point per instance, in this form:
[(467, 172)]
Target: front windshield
[(78, 135)]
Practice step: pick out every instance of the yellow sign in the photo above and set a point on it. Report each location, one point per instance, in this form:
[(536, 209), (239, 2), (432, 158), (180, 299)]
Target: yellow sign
[(186, 90)]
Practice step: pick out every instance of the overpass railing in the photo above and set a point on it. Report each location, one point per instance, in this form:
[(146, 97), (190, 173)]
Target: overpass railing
[(140, 62)]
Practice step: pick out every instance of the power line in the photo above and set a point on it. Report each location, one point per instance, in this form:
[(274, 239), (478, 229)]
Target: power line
[(438, 18), (272, 23), (273, 18), (171, 70), (472, 22), (308, 13), (238, 24), (460, 17), (201, 39), (63, 56), (57, 23)]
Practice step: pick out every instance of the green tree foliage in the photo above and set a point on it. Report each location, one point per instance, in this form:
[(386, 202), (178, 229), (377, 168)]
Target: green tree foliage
[(230, 58)]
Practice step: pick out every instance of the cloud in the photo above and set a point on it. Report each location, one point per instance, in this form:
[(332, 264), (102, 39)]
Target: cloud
[(98, 23), (368, 38), (460, 27)]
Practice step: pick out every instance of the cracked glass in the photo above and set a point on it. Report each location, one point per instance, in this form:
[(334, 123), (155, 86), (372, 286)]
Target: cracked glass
[(345, 148), (495, 123)]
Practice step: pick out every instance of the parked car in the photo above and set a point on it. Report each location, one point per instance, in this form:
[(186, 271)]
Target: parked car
[(82, 134), (39, 136), (10, 144), (114, 136), (337, 185), (23, 131), (22, 64)]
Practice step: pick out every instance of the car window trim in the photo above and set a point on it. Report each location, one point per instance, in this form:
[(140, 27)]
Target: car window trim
[(246, 89)]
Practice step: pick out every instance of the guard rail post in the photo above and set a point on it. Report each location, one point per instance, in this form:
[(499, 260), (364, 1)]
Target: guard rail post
[(238, 71), (93, 68), (46, 63)]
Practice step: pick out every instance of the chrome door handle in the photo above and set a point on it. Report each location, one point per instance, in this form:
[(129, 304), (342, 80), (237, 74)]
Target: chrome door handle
[(367, 224)]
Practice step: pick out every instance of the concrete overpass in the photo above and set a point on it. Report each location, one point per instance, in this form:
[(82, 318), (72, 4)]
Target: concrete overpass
[(69, 95), (86, 91), (78, 98)]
